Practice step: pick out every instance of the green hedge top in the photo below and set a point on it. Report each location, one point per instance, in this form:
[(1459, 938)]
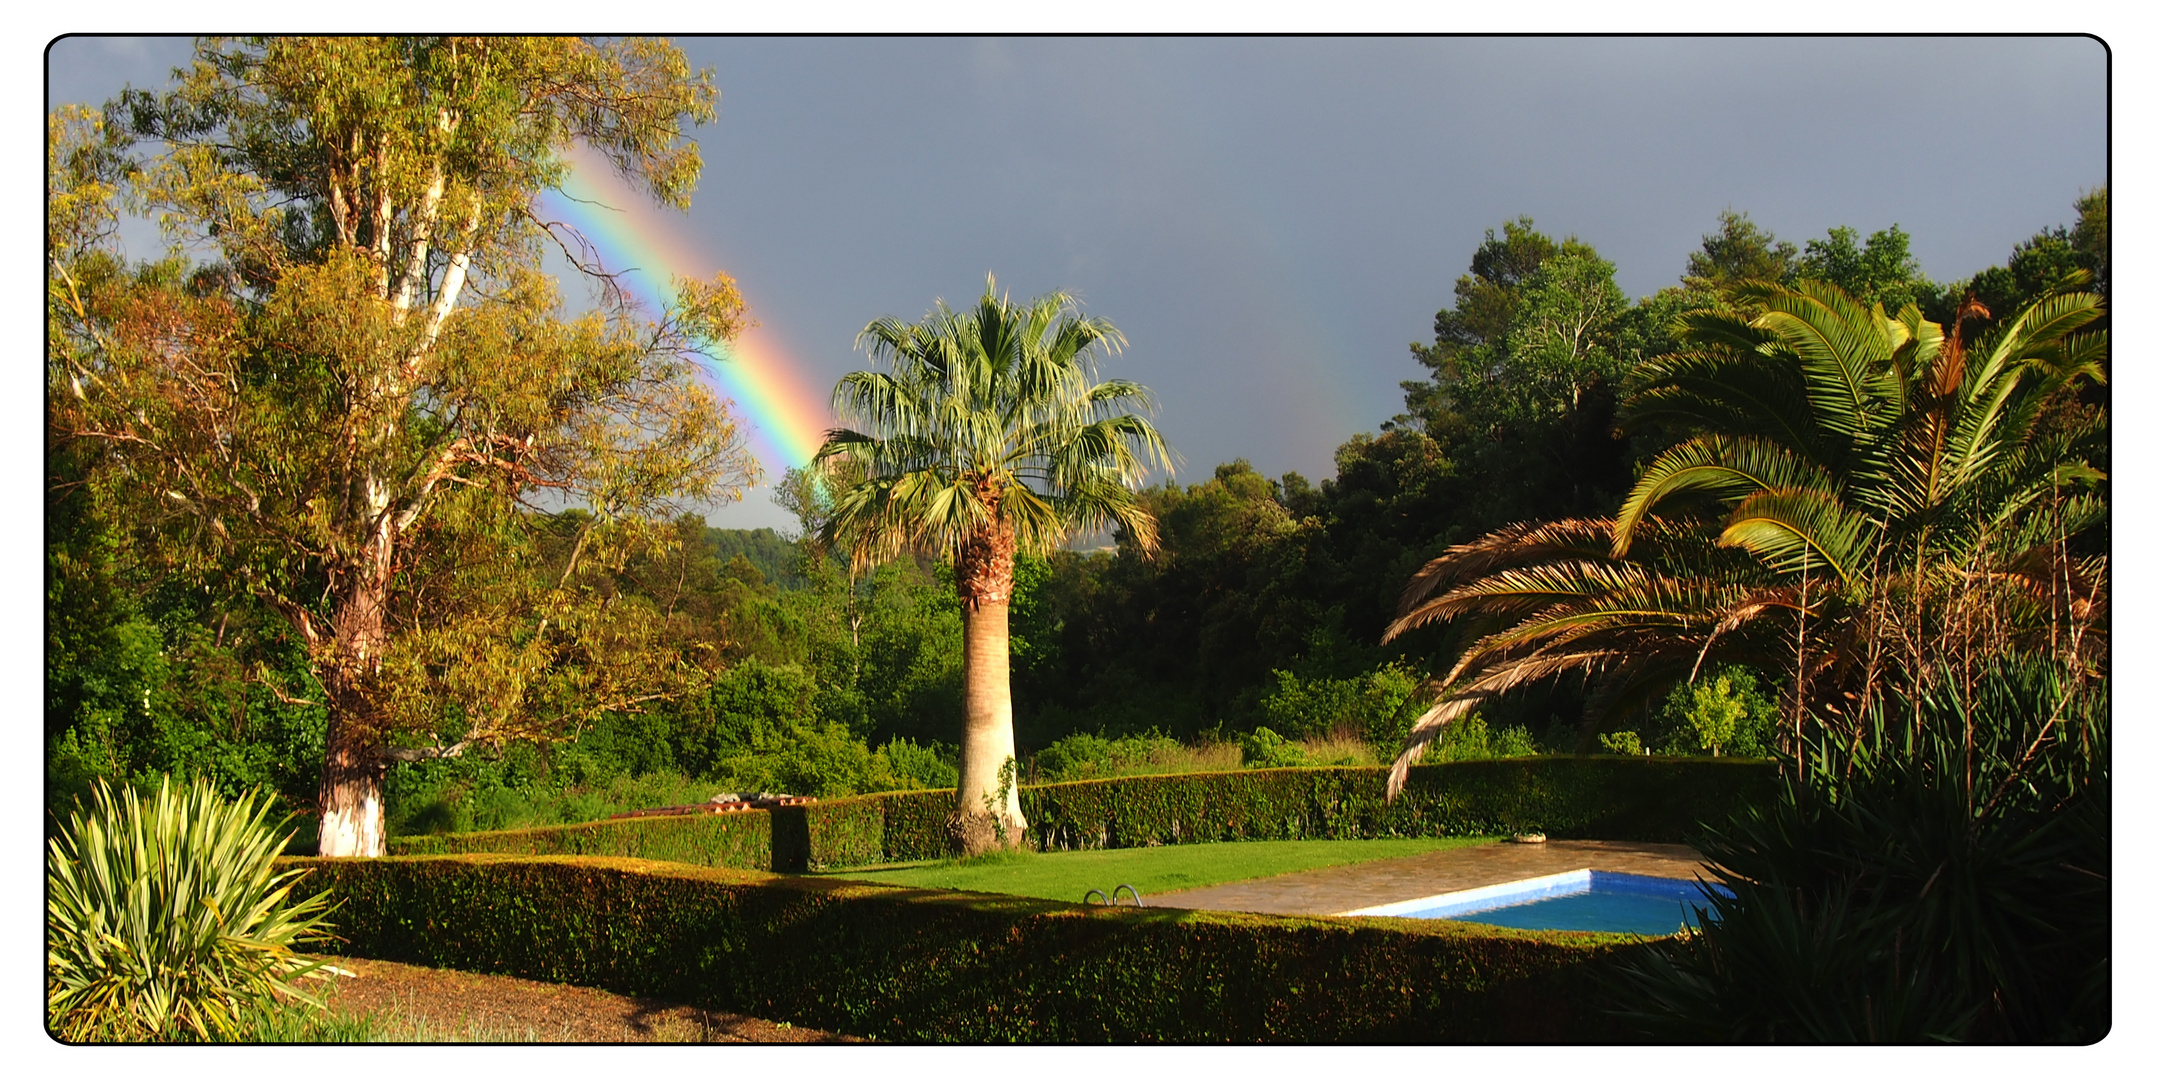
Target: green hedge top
[(939, 966), (1566, 797)]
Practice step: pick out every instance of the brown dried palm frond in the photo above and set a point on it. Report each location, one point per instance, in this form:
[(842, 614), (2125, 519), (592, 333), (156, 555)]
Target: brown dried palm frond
[(1614, 620), (1512, 545)]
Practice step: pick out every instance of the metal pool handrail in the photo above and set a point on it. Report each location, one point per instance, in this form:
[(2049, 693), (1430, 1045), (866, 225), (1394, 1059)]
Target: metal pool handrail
[(1109, 898)]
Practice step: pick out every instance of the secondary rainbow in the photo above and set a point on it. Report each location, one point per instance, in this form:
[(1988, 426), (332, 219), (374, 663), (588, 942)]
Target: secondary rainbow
[(642, 242)]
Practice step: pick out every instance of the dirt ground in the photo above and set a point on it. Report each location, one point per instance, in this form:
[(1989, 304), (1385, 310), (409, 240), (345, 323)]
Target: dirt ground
[(459, 1006)]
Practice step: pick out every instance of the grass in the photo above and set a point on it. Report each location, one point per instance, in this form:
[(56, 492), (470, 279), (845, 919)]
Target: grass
[(454, 809), (1066, 875), (1341, 750), (400, 1023), (1140, 755)]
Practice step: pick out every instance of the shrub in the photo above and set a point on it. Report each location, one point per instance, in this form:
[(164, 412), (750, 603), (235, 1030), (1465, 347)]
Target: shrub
[(1471, 739), (1950, 881), (1262, 749), (1622, 742), (921, 765), (1724, 712), (1078, 756), (166, 921), (1377, 706), (916, 965), (758, 728), (1082, 756)]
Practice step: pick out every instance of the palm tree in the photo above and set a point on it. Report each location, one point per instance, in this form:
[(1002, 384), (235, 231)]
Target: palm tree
[(988, 435), (1860, 494)]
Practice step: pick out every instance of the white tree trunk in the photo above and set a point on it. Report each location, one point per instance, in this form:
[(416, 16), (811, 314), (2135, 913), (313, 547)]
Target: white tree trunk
[(988, 799)]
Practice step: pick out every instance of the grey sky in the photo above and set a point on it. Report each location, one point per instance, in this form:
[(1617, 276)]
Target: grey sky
[(1272, 220)]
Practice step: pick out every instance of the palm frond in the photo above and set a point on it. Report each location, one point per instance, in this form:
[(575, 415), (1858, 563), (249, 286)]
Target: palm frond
[(1796, 530), (1514, 545), (1730, 467), (987, 418)]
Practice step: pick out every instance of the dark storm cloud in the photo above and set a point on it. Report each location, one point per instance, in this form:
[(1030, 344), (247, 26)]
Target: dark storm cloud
[(1271, 221)]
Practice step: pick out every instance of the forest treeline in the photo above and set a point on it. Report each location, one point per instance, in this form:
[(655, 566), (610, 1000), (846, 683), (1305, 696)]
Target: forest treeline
[(1258, 619)]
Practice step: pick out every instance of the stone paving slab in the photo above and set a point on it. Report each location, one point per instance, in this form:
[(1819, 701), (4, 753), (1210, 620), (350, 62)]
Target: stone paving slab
[(1334, 889)]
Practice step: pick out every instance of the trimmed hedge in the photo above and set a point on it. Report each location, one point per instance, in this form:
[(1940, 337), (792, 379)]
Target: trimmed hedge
[(917, 965), (1568, 797)]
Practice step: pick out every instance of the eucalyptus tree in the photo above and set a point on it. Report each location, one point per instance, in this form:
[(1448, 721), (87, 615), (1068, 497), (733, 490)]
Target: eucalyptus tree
[(987, 436), (349, 380), (1859, 496)]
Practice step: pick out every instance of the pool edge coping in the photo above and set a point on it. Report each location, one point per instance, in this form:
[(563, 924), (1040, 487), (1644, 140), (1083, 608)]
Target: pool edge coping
[(1510, 893), (1504, 890)]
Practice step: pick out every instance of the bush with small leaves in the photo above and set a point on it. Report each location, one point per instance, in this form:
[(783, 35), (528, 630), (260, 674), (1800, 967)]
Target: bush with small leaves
[(1724, 712), (1265, 749)]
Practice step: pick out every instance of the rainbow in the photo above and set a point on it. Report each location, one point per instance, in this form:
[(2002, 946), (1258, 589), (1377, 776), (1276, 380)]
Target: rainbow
[(786, 419)]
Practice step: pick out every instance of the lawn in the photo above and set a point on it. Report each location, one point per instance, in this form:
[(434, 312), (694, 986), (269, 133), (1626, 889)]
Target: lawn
[(1066, 875)]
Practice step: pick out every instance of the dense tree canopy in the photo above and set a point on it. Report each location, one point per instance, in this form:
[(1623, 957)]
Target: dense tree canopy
[(350, 402)]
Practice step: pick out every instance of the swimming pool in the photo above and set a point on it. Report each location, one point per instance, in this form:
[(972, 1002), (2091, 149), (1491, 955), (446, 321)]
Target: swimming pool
[(1575, 900)]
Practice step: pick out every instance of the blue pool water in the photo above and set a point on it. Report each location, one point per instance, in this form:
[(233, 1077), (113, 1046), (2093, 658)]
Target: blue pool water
[(1579, 900)]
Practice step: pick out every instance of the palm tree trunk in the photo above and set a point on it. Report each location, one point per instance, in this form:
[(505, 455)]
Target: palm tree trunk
[(987, 817)]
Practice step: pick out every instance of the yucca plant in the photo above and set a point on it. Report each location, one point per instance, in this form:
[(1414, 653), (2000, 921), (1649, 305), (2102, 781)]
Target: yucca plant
[(166, 920), (1943, 880)]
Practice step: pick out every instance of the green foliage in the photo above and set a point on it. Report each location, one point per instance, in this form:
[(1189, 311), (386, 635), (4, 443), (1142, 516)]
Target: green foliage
[(912, 965), (149, 673), (1263, 749), (989, 419), (381, 376), (743, 839), (1880, 271), (1900, 495), (774, 557), (1628, 798), (1647, 798), (1739, 252), (2048, 259), (165, 920), (757, 728), (1082, 756), (1725, 711), (1262, 606), (1524, 371), (317, 1026), (1622, 742), (914, 765), (1947, 879), (1128, 643), (527, 787), (1377, 706), (1471, 739)]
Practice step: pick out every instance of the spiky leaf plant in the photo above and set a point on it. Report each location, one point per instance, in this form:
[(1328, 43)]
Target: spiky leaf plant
[(1862, 500), (1943, 880), (166, 921)]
